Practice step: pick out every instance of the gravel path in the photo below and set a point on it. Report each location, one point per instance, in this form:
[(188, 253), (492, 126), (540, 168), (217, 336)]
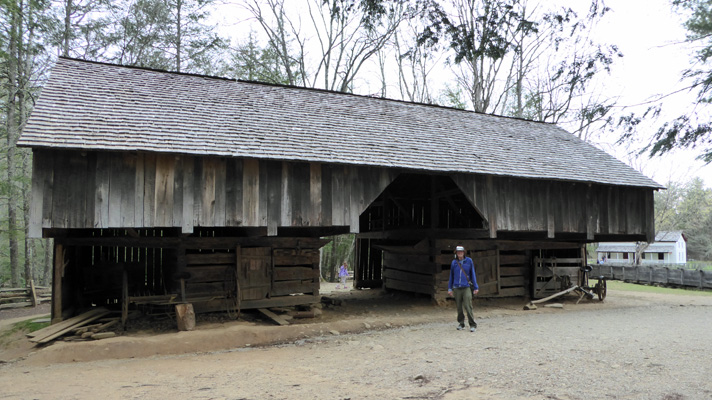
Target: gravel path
[(633, 350)]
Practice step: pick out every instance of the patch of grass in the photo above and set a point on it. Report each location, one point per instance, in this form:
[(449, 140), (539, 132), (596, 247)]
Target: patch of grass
[(632, 287), (21, 327), (28, 326)]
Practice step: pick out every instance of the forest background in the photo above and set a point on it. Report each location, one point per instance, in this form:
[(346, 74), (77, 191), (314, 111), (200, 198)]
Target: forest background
[(545, 61)]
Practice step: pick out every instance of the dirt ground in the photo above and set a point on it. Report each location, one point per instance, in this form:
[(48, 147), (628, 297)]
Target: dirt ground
[(380, 345)]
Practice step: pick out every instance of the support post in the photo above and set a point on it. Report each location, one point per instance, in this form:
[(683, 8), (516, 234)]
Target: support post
[(33, 293), (57, 283), (185, 317)]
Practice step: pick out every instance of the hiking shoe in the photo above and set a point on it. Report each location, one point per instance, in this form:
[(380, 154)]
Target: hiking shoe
[(472, 329), (460, 327)]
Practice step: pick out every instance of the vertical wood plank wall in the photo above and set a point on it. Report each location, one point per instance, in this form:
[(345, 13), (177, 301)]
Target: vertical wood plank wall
[(120, 190), (117, 190), (514, 204)]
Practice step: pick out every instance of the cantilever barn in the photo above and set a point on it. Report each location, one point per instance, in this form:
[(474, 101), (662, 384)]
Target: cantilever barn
[(163, 188)]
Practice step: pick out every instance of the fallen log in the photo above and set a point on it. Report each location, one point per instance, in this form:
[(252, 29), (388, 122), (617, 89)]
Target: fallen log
[(304, 314), (103, 335)]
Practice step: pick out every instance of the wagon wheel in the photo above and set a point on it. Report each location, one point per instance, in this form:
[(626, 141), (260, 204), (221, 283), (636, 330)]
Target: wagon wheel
[(231, 289), (601, 289)]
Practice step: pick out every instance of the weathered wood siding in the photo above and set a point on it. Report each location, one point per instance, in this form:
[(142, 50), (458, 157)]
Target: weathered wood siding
[(124, 190), (512, 204)]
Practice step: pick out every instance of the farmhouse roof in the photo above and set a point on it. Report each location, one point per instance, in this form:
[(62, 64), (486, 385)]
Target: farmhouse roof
[(665, 242), (669, 236), (630, 248), (96, 106)]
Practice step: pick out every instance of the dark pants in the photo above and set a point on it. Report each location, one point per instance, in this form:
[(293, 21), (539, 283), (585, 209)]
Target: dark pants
[(463, 297)]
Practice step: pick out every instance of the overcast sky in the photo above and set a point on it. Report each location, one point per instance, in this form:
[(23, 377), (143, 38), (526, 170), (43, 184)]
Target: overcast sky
[(650, 35)]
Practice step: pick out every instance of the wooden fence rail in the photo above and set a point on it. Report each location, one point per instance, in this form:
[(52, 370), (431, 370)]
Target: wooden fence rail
[(30, 296), (649, 274)]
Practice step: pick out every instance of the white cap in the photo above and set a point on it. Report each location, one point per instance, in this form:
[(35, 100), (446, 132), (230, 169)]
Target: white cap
[(459, 248)]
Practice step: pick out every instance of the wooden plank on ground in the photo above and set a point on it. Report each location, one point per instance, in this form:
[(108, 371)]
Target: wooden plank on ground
[(274, 317), (54, 331)]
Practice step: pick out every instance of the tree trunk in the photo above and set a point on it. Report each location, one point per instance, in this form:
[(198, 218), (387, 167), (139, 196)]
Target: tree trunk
[(11, 122), (179, 5), (48, 262), (332, 259), (67, 27), (29, 243), (24, 73)]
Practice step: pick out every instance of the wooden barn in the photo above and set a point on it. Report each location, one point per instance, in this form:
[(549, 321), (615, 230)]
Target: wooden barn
[(162, 188)]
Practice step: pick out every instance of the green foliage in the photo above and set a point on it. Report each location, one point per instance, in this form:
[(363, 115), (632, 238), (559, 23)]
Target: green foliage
[(163, 34), (338, 251), (453, 97), (691, 130), (631, 287), (687, 207), (251, 62), (28, 326)]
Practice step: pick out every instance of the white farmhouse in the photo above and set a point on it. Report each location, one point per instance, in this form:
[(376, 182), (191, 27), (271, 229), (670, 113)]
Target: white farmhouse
[(668, 248)]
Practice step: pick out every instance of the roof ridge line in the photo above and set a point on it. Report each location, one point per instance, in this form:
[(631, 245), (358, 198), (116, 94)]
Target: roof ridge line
[(308, 89)]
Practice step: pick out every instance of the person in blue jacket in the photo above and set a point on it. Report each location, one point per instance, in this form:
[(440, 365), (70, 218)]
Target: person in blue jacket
[(463, 285)]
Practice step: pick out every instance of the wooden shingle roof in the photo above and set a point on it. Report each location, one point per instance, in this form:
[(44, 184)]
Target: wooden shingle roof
[(96, 106)]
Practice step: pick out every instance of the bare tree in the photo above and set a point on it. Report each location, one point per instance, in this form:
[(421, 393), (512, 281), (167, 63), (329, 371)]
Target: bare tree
[(349, 34), (415, 63), (563, 64)]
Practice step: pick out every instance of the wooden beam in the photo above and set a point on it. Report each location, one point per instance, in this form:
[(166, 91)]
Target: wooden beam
[(185, 317), (550, 223), (649, 216), (193, 242), (33, 293), (188, 194), (426, 233), (37, 194), (57, 283), (589, 214), (274, 317), (492, 208), (434, 204)]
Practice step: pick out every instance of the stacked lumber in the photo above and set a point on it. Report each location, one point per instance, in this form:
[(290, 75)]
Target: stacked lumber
[(30, 296), (78, 327)]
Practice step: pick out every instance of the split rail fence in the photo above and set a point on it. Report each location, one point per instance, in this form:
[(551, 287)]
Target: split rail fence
[(30, 296), (650, 274)]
